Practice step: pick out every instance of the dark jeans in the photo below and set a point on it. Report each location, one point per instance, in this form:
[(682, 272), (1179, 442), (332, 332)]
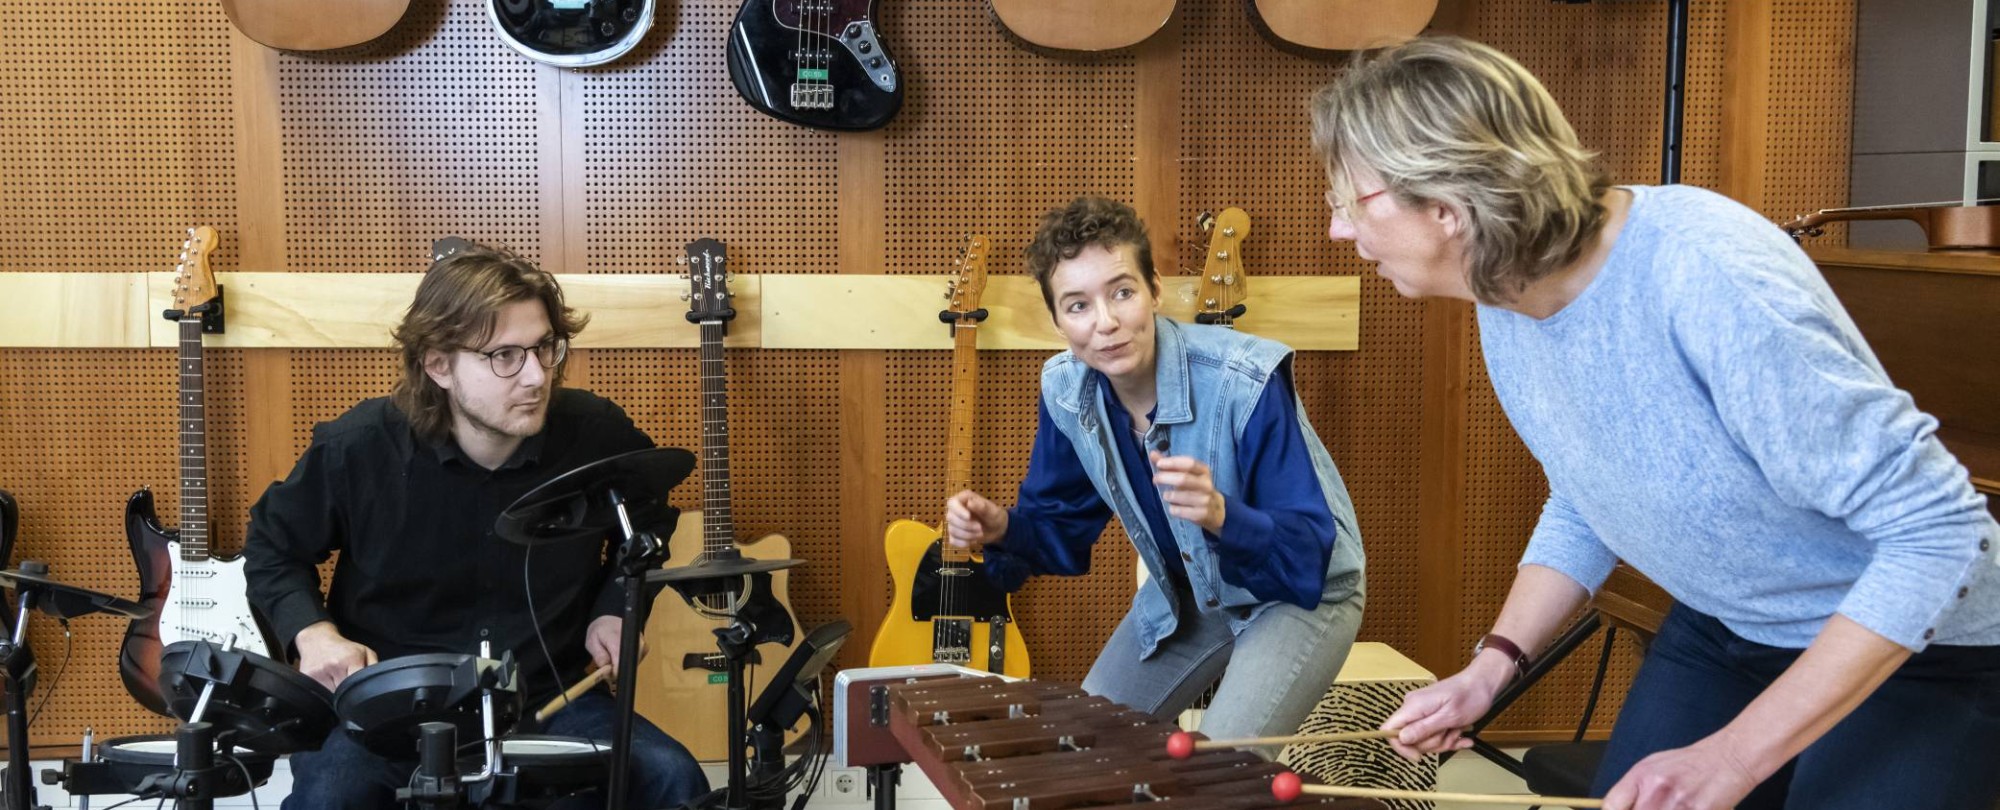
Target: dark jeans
[(344, 775), (1929, 737)]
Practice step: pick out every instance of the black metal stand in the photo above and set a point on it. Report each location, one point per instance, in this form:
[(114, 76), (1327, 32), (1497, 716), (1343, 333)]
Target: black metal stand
[(1677, 49), (734, 642), (641, 551), (882, 781), (435, 784), (17, 676)]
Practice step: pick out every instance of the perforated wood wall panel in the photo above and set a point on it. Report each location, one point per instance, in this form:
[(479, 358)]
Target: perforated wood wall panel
[(116, 131), (671, 154), (1366, 405), (990, 136), (437, 131), (82, 431)]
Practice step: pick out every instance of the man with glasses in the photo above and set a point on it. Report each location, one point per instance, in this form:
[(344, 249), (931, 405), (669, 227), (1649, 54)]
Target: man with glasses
[(407, 487)]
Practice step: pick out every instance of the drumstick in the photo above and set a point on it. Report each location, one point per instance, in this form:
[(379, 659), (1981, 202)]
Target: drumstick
[(574, 692), (1181, 745), (1287, 787)]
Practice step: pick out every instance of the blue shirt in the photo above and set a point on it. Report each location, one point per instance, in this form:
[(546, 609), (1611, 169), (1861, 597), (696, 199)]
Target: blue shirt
[(1706, 411), (1275, 541)]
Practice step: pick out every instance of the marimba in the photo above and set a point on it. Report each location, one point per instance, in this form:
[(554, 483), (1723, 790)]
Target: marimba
[(990, 744)]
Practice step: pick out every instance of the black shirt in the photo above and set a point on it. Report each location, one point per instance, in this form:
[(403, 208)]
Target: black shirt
[(420, 568)]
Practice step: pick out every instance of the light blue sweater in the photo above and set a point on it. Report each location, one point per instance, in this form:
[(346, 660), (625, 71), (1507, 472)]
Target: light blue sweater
[(1707, 411)]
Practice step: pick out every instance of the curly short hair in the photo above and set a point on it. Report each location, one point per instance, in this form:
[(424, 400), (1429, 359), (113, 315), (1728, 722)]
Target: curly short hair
[(1087, 221), (456, 306), (1455, 122)]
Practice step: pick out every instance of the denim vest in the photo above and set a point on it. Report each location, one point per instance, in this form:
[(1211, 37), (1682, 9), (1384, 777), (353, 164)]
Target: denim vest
[(1209, 379)]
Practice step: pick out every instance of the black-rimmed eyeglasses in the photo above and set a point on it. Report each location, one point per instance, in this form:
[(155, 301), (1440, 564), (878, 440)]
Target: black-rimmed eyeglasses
[(507, 361)]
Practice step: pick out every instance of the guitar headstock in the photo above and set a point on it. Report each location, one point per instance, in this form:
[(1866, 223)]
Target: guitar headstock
[(708, 281), (450, 246), (965, 289), (194, 282), (1223, 286)]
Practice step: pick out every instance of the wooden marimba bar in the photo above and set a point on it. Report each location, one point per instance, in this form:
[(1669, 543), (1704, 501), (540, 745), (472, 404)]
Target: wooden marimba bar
[(988, 744)]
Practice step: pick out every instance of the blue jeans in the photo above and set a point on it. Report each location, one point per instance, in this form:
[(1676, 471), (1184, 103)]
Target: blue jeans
[(343, 775), (1929, 737), (1289, 655)]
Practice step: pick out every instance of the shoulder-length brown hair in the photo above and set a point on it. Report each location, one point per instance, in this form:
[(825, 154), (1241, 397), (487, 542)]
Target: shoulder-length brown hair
[(457, 303), (1455, 122)]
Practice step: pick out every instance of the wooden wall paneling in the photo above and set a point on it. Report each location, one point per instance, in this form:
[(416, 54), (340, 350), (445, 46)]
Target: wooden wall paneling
[(1245, 141), (82, 430), (116, 130), (437, 131), (76, 310), (1747, 96), (669, 154)]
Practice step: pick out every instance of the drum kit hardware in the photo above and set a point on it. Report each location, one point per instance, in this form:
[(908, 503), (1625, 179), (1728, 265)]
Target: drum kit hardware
[(240, 710), (624, 496)]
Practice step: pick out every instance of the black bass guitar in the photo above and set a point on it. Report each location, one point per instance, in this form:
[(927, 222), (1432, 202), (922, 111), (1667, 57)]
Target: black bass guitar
[(820, 63), (571, 33)]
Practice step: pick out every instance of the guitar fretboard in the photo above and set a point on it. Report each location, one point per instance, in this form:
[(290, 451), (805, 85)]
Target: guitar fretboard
[(718, 531), (194, 445), (964, 400)]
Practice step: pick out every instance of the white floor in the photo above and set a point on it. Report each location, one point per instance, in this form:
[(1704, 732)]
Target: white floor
[(845, 788)]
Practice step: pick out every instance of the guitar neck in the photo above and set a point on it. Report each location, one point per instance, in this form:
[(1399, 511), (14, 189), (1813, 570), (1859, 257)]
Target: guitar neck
[(718, 529), (964, 400), (193, 444)]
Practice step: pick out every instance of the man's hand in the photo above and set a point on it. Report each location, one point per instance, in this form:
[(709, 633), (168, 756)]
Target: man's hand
[(602, 640), (327, 656), (971, 521)]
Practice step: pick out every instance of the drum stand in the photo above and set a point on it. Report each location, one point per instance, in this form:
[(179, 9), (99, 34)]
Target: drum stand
[(17, 676), (38, 591), (199, 775)]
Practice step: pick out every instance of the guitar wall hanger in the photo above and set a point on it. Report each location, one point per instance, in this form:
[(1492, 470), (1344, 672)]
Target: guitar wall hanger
[(212, 322)]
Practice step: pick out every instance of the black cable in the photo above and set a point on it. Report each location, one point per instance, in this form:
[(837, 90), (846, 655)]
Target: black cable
[(116, 805), (1596, 683), (69, 646), (247, 781)]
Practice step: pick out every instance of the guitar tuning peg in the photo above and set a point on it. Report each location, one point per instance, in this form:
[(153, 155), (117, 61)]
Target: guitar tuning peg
[(1206, 221), (1230, 232), (1222, 255), (686, 297)]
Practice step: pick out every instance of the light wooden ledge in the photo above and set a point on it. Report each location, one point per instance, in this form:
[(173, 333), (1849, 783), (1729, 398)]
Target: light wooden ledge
[(774, 311)]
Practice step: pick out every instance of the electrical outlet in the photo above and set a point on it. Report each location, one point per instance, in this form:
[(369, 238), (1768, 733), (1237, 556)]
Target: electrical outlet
[(845, 785)]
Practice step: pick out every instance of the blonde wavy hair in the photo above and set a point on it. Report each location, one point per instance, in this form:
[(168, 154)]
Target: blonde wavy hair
[(1457, 123)]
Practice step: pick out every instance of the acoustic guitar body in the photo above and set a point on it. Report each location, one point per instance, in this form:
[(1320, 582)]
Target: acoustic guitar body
[(294, 25), (1070, 27), (1329, 28), (683, 685)]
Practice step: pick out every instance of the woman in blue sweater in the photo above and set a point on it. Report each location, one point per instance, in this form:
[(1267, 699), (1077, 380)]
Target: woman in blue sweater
[(1705, 411), (1195, 439)]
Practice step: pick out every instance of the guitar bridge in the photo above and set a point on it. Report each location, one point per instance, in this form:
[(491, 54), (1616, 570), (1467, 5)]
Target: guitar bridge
[(812, 95), (951, 640)]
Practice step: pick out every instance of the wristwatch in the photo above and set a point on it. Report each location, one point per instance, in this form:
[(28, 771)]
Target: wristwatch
[(1505, 646)]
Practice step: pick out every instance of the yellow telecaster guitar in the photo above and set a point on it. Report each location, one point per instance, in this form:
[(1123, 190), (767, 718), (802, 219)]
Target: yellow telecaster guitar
[(683, 682), (945, 610), (1223, 288)]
